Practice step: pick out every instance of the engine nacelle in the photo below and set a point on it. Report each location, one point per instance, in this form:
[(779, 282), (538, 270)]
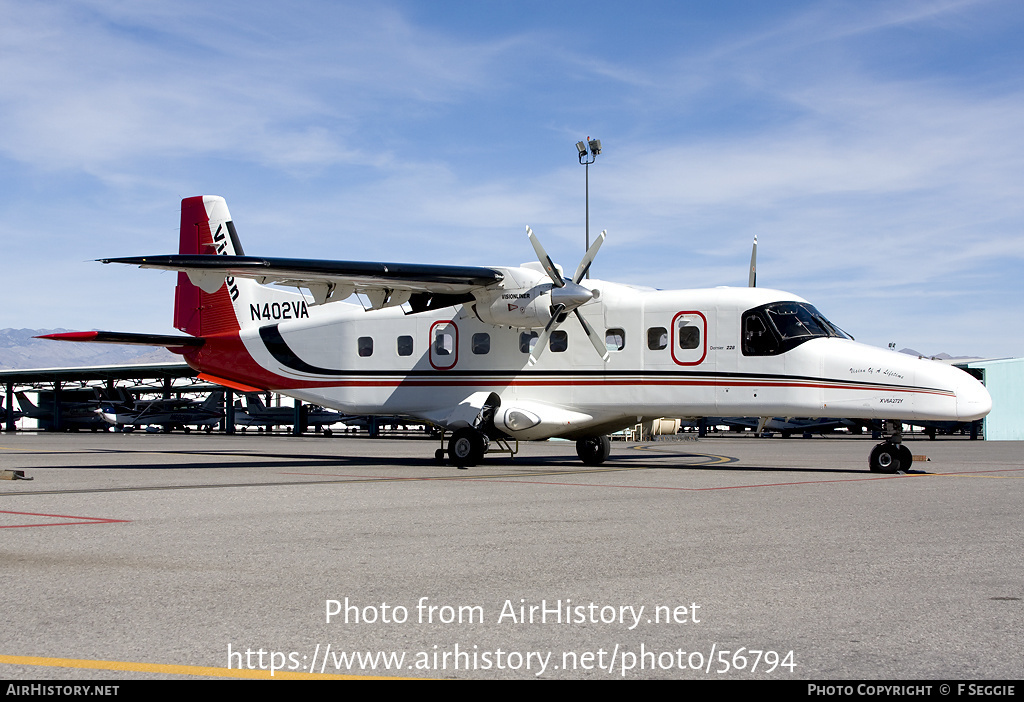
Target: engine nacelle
[(529, 420), (521, 301)]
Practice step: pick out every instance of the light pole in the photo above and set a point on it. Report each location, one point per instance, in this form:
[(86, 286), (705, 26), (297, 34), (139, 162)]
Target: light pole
[(588, 150)]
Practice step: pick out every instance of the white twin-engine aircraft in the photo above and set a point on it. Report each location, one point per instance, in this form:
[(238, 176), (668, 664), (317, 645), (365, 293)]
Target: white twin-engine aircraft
[(497, 354)]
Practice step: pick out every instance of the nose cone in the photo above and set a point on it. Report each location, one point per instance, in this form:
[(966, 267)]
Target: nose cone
[(571, 295), (972, 399)]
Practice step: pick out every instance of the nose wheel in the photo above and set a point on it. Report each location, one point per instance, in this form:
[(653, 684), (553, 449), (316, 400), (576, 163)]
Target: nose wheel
[(891, 456)]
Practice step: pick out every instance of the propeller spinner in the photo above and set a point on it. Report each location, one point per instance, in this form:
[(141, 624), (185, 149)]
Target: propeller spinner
[(567, 296)]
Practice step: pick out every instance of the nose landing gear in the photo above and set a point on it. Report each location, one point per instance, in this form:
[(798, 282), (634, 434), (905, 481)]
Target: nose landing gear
[(891, 456)]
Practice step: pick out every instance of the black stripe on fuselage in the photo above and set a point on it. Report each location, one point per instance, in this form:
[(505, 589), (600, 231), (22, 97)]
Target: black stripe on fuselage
[(283, 354)]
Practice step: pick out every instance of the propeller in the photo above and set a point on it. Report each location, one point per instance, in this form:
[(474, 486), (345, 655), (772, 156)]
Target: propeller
[(567, 296)]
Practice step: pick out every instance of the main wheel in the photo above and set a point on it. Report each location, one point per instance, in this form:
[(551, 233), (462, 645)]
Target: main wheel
[(595, 450), (906, 458), (885, 458), (466, 447)]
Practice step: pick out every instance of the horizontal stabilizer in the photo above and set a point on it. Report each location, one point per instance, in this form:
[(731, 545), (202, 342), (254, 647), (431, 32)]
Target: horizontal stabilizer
[(126, 338)]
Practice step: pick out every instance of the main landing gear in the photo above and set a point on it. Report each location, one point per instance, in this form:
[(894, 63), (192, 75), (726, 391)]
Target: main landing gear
[(595, 450), (891, 456), (468, 444), (467, 447)]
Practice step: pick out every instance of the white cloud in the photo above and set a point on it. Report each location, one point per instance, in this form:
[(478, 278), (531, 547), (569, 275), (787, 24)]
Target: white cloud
[(352, 129)]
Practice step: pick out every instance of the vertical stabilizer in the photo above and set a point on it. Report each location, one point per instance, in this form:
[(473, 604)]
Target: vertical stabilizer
[(206, 229), (254, 403), (213, 401), (26, 404)]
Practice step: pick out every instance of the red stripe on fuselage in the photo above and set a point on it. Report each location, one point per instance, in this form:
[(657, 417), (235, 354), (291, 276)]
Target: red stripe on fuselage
[(226, 356)]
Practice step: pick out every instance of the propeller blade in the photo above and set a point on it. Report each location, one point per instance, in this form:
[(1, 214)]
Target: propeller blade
[(588, 257), (538, 348), (545, 260), (558, 309), (542, 340), (752, 283), (598, 343)]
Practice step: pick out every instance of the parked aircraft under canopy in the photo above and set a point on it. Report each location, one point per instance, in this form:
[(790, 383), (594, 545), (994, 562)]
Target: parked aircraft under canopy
[(491, 354)]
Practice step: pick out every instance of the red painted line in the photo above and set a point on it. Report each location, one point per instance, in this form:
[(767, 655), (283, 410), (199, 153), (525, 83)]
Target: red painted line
[(702, 489), (85, 520), (744, 487), (633, 487)]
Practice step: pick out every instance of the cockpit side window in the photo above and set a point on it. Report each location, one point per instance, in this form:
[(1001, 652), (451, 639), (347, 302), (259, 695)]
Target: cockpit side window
[(758, 340), (780, 326)]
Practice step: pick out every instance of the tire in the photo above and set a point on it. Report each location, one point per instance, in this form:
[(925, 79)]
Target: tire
[(466, 448), (906, 458), (595, 450), (885, 458)]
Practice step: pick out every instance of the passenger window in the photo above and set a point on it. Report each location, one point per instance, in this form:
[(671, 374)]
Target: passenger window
[(689, 337), (615, 339), (481, 343), (527, 340), (365, 344), (559, 341), (405, 346), (444, 343), (657, 338)]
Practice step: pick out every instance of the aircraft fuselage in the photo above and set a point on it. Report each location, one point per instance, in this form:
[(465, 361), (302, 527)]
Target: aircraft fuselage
[(671, 353)]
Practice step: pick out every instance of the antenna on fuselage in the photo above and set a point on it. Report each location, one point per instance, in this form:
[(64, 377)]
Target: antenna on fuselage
[(752, 283)]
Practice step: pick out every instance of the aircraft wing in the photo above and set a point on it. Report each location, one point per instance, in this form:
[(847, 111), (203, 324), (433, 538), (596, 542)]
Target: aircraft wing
[(425, 286)]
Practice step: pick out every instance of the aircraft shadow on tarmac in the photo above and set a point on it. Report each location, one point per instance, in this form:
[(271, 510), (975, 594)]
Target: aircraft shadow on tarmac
[(632, 460), (726, 464)]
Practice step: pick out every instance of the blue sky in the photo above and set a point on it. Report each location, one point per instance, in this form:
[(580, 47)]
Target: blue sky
[(875, 148)]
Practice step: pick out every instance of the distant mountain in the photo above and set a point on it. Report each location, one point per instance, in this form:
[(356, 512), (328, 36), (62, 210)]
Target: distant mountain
[(19, 350), (938, 356)]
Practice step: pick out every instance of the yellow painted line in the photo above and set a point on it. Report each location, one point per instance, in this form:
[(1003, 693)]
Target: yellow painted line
[(979, 474), (166, 669), (51, 452)]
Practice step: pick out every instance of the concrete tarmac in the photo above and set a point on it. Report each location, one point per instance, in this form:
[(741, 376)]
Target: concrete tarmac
[(140, 556)]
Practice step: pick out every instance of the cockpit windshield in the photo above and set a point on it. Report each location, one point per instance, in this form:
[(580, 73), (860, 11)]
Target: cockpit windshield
[(780, 326)]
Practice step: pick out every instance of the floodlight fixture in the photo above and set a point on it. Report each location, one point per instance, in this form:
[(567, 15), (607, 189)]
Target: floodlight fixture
[(588, 151)]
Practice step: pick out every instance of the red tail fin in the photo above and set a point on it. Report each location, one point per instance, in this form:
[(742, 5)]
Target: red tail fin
[(196, 312)]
